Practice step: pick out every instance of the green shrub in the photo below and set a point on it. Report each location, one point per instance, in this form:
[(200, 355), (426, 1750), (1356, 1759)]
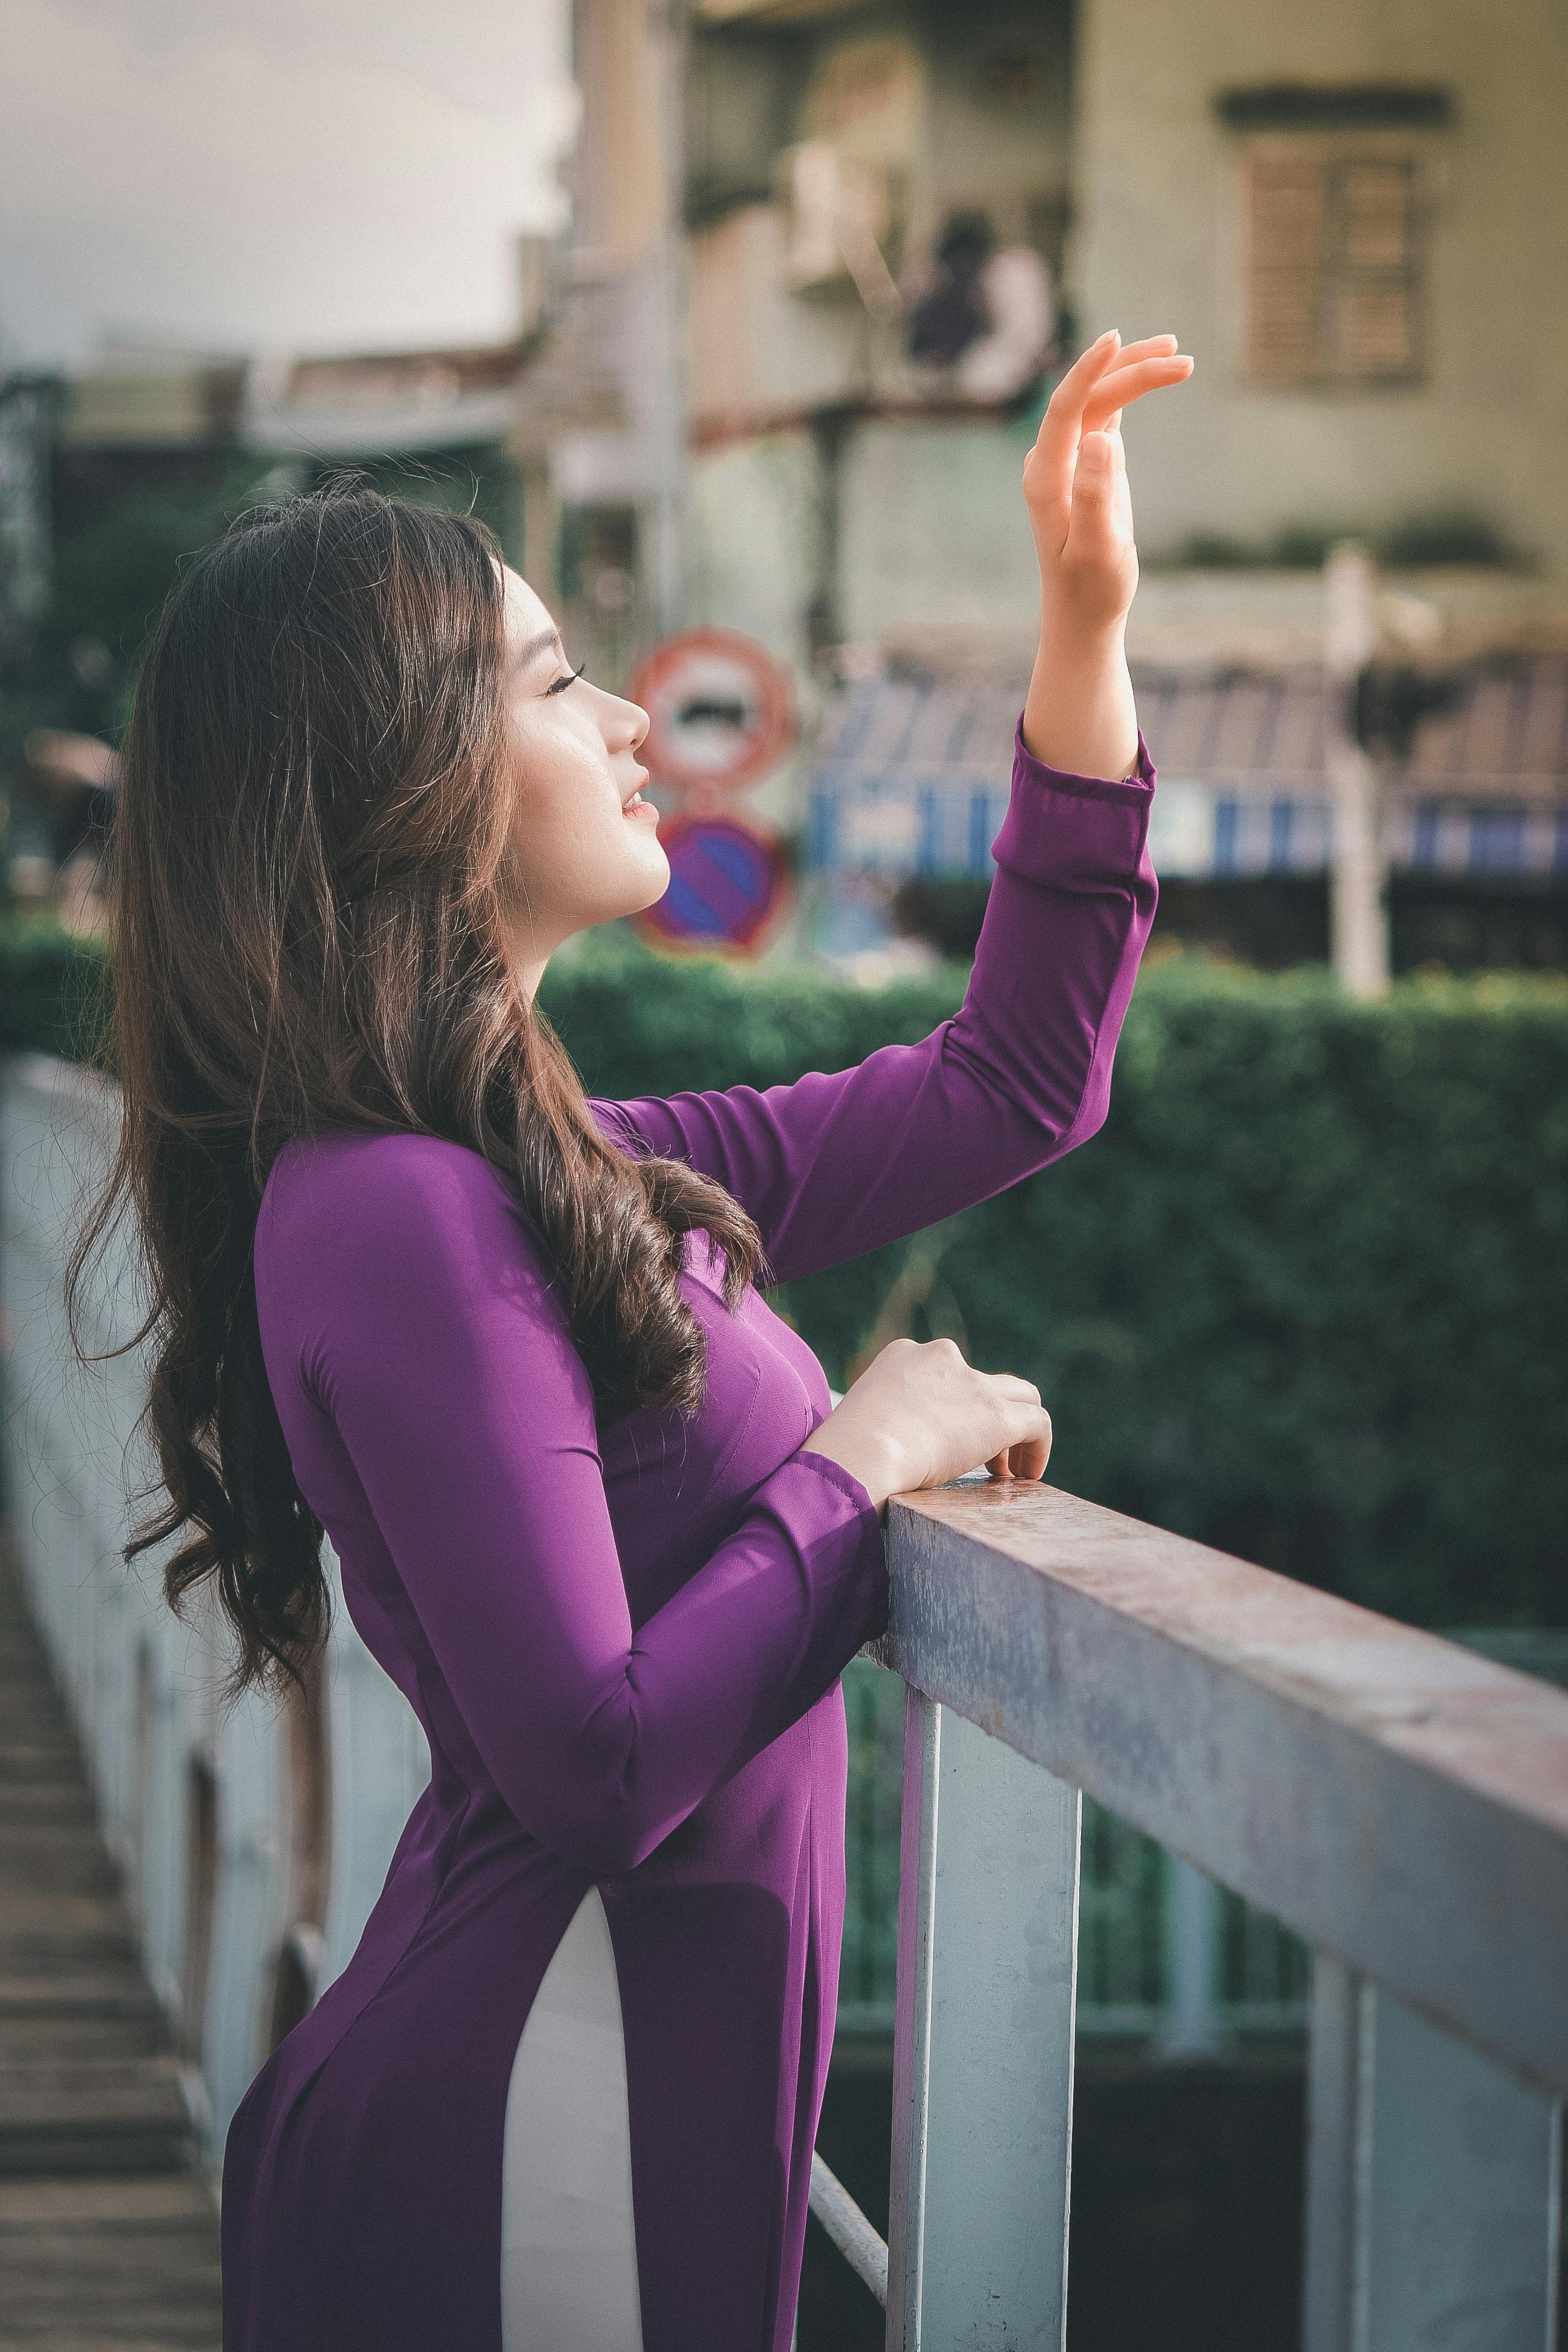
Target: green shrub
[(52, 989), (1304, 1297)]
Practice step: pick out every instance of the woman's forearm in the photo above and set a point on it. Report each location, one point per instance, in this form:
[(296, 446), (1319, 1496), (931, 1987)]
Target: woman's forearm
[(1080, 716)]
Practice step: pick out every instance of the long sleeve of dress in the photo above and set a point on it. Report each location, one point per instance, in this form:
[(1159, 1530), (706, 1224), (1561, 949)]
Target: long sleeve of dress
[(419, 1319), (838, 1164)]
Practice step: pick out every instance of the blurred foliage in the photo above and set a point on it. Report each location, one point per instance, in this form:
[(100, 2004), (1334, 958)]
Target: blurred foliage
[(1408, 543), (54, 989), (1304, 1297), (110, 577), (113, 569)]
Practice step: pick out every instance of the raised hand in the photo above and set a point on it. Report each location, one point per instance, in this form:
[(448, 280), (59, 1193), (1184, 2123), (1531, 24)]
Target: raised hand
[(1080, 713), (1075, 477)]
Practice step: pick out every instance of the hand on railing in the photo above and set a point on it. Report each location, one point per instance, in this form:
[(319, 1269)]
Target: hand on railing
[(920, 1415)]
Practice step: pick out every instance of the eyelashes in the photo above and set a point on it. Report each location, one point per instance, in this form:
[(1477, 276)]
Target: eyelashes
[(562, 684)]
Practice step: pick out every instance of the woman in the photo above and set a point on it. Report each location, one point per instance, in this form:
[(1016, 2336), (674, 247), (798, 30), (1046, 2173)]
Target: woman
[(503, 1345)]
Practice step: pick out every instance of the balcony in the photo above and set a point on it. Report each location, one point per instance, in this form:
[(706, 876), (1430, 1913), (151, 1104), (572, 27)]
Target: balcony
[(1397, 1802)]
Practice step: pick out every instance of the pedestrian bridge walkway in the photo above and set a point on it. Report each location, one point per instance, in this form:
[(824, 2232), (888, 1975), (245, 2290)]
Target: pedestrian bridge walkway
[(108, 2231), (1397, 1801)]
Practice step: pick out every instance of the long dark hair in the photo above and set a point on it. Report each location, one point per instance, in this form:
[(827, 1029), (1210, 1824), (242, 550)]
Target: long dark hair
[(311, 861)]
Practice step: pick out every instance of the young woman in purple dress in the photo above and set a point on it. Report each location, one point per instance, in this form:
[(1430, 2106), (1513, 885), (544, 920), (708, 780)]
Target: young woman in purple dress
[(503, 1344)]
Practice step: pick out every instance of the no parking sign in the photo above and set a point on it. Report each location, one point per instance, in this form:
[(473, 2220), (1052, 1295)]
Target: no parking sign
[(721, 714), (726, 881)]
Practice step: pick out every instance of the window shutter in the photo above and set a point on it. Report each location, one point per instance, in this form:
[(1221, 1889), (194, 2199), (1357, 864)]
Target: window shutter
[(1332, 265), (1375, 325), (1287, 206)]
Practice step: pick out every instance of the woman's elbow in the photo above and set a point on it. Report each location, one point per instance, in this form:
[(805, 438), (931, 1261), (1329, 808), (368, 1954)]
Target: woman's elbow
[(600, 1822)]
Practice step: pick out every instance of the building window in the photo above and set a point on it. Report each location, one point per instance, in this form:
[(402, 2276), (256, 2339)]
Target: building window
[(1333, 263)]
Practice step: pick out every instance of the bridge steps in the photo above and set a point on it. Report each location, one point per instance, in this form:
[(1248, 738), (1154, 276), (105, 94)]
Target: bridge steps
[(108, 2236)]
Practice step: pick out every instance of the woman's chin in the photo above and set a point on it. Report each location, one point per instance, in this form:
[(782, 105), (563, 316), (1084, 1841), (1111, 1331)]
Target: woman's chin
[(652, 890)]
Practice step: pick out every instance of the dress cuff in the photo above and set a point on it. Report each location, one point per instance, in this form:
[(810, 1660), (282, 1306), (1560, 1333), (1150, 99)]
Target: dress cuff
[(839, 1533), (1074, 833), (1139, 783)]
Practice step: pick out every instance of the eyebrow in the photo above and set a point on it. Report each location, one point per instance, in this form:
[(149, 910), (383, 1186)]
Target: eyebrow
[(536, 646)]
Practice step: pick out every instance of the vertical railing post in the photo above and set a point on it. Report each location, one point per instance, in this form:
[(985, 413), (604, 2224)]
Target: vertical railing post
[(982, 2043), (1191, 2027), (244, 1921), (912, 2020), (1433, 2186), (1334, 2109)]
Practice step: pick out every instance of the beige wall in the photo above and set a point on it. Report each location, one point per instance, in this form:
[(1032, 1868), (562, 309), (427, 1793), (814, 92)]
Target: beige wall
[(754, 514), (933, 529), (756, 351), (1157, 246)]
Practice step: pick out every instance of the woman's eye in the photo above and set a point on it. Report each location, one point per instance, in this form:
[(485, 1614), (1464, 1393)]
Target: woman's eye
[(562, 684)]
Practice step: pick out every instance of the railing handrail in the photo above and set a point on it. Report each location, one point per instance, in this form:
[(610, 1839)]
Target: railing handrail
[(1398, 1799)]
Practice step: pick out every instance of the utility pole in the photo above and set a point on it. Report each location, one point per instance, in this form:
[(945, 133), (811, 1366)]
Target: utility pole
[(602, 416), (1358, 891), (668, 39)]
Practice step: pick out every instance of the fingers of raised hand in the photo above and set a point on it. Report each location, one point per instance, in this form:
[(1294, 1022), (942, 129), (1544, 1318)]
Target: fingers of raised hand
[(1100, 464), (1091, 372), (1150, 347), (1049, 472), (1085, 373), (1123, 385), (1123, 498), (1089, 398)]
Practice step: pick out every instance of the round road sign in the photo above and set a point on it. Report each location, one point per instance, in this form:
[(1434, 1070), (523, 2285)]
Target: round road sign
[(721, 709), (727, 878)]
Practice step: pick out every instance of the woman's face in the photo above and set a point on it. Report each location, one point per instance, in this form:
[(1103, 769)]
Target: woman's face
[(577, 856)]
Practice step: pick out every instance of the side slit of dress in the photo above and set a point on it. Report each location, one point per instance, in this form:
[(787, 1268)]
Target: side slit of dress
[(569, 2263)]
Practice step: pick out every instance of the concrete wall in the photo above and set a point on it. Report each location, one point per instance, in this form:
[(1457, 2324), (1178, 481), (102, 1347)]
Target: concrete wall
[(1157, 248), (933, 528), (753, 520), (929, 529)]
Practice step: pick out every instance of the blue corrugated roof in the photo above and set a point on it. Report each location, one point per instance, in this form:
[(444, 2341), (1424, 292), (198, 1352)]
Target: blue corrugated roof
[(912, 777)]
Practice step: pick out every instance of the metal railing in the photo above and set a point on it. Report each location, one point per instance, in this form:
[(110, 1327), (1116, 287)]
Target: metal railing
[(254, 1839), (1397, 1801), (1170, 1964)]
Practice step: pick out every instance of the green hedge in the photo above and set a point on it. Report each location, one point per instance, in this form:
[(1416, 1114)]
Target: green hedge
[(1305, 1297), (52, 995)]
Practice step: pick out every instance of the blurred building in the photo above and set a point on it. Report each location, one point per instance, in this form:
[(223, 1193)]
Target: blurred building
[(26, 424), (825, 258), (877, 202), (910, 781), (1357, 217), (896, 218), (142, 418)]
